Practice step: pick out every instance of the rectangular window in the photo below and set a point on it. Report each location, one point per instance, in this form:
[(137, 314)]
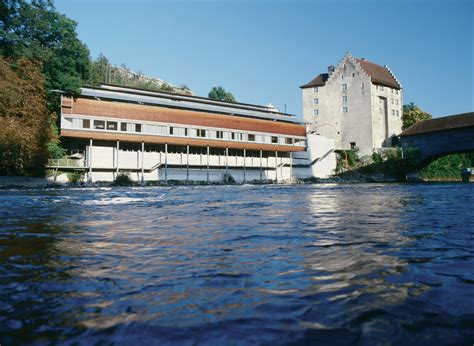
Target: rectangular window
[(398, 113), (353, 145), (274, 139), (396, 102), (315, 89), (344, 86), (362, 86), (251, 138), (315, 101), (232, 135), (381, 87), (396, 91), (201, 133), (342, 76), (99, 124), (392, 101), (138, 127), (112, 125), (315, 111), (171, 130), (393, 112), (353, 74), (289, 141), (185, 132), (86, 124), (344, 98), (345, 109), (123, 126), (219, 134)]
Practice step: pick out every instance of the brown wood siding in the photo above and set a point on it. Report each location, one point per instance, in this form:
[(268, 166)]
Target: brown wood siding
[(131, 111), (176, 140)]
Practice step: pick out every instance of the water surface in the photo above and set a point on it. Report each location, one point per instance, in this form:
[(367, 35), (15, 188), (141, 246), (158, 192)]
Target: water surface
[(332, 264)]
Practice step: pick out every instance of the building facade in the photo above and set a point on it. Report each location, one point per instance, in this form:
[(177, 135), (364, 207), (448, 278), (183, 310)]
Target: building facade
[(357, 103), (158, 136)]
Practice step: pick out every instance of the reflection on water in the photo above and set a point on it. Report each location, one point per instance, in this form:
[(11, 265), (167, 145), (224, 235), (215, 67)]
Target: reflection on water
[(249, 265)]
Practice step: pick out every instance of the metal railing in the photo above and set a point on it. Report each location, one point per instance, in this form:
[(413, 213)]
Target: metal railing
[(65, 162)]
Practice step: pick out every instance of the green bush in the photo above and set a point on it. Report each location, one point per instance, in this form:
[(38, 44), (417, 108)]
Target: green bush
[(75, 177), (123, 179), (228, 178)]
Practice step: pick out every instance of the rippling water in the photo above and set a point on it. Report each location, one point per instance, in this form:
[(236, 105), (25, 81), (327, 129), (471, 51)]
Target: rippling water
[(331, 264)]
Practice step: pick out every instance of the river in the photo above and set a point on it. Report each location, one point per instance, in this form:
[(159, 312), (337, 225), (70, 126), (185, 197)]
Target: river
[(223, 265)]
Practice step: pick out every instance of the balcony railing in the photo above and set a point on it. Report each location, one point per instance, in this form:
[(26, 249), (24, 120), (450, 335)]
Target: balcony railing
[(65, 162)]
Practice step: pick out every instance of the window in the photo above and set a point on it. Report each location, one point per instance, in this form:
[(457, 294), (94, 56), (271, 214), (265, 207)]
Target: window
[(112, 125), (396, 102), (232, 135), (392, 101), (393, 112), (171, 130), (123, 126), (398, 113), (381, 88), (138, 127), (86, 124), (344, 98), (344, 86), (353, 74), (315, 89), (289, 140), (345, 109), (274, 139), (219, 134), (315, 111), (342, 76), (251, 138), (315, 101), (362, 86), (99, 124), (185, 132), (353, 145), (201, 133), (396, 91)]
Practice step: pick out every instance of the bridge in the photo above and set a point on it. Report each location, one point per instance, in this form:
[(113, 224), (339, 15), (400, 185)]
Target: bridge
[(438, 137)]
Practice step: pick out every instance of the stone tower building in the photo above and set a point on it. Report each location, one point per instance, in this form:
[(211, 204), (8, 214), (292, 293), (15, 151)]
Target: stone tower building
[(357, 103)]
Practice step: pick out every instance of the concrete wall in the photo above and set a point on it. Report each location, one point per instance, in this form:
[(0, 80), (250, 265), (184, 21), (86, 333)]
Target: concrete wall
[(319, 159), (363, 124)]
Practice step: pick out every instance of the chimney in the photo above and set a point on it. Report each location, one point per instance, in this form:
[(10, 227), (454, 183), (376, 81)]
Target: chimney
[(330, 69)]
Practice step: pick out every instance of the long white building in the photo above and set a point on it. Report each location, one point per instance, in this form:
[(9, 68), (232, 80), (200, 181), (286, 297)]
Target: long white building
[(159, 136), (357, 103)]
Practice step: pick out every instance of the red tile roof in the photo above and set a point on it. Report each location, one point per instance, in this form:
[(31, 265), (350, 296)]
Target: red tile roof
[(379, 74), (439, 124), (318, 81)]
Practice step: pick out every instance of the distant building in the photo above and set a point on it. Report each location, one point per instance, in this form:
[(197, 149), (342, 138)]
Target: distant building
[(357, 103), (153, 136)]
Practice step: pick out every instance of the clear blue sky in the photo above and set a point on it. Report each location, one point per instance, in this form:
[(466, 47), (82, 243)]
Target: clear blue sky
[(262, 51)]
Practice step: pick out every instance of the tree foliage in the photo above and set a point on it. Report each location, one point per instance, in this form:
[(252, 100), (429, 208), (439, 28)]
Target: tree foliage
[(447, 167), (35, 30), (24, 117), (219, 93), (413, 114)]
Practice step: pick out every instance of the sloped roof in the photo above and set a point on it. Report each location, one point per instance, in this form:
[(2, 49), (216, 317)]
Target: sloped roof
[(379, 74), (318, 81), (439, 124)]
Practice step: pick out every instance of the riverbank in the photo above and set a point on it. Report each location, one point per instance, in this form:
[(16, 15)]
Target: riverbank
[(350, 177)]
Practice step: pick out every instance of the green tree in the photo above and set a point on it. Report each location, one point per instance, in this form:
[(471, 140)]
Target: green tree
[(219, 93), (35, 30), (413, 114)]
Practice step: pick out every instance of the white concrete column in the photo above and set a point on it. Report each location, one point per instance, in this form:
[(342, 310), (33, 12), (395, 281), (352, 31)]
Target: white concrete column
[(117, 158), (208, 164), (276, 166), (291, 165), (226, 160), (142, 163), (245, 155), (187, 163), (166, 162), (89, 178)]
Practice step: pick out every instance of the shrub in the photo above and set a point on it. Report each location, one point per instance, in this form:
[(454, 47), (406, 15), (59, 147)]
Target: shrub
[(75, 177), (123, 179), (228, 178)]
